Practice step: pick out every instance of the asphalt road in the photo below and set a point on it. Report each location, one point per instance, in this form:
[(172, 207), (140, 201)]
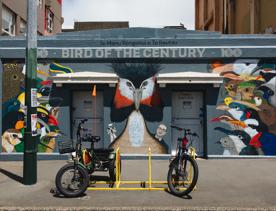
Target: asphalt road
[(225, 184)]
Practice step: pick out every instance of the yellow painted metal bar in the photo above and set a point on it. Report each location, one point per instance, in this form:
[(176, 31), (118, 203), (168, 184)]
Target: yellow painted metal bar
[(150, 175), (118, 181), (118, 168)]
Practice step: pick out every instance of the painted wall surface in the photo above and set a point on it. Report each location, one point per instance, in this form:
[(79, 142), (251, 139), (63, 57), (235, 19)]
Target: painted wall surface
[(246, 118), (13, 107), (239, 117)]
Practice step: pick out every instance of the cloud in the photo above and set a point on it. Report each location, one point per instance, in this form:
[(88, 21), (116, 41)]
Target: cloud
[(139, 13)]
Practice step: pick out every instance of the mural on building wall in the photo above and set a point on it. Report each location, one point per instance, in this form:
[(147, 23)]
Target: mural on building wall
[(249, 102), (137, 99), (14, 107)]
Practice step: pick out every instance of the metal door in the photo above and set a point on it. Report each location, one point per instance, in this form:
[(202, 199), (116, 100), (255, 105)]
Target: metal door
[(87, 106), (187, 112)]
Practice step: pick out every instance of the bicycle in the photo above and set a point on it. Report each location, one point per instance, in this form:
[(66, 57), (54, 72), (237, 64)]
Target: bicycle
[(85, 163), (183, 170)]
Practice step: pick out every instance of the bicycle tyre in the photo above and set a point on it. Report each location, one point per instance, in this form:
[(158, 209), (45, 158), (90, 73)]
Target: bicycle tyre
[(174, 165), (66, 192)]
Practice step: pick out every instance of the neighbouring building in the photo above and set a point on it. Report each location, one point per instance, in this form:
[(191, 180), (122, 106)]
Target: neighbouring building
[(13, 15), (93, 25), (236, 16), (134, 83)]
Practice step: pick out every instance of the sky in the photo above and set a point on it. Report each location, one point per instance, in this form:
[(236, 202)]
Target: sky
[(139, 13)]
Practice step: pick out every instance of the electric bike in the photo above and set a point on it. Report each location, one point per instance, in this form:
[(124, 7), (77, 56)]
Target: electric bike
[(73, 179), (183, 170)]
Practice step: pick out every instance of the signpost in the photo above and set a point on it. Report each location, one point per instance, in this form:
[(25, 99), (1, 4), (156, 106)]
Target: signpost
[(30, 138)]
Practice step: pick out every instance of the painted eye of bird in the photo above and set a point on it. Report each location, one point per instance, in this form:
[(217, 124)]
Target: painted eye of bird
[(129, 84), (43, 115), (15, 77), (144, 84), (270, 92), (240, 137)]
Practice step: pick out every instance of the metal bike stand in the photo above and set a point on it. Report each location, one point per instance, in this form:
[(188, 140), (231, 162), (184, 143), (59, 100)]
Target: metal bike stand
[(145, 185)]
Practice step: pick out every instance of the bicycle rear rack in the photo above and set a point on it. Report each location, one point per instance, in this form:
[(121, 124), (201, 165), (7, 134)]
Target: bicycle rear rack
[(145, 185)]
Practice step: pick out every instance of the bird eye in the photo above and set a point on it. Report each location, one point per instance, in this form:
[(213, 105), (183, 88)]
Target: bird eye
[(15, 77), (128, 84), (240, 137), (145, 84), (270, 92)]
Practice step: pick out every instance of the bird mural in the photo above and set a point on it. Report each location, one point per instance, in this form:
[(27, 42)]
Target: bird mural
[(14, 109), (250, 106), (240, 140), (136, 137), (136, 99)]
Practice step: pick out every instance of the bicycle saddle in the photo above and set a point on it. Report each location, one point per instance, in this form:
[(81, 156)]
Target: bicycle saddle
[(103, 150)]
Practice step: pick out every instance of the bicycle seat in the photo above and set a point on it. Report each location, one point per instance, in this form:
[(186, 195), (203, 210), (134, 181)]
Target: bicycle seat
[(103, 150)]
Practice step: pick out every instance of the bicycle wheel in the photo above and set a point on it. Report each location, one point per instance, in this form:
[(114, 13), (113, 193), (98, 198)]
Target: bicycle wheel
[(71, 181), (182, 182)]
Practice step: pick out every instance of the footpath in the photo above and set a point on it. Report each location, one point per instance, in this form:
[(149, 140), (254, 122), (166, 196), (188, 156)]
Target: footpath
[(224, 184)]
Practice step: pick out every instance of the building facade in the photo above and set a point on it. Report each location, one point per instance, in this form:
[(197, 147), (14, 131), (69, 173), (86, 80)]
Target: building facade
[(13, 16), (235, 16), (92, 25), (133, 84)]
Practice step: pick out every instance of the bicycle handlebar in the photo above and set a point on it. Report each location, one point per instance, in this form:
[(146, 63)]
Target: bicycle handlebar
[(187, 131)]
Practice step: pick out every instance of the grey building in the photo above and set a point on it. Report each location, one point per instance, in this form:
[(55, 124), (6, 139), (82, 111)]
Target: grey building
[(139, 82)]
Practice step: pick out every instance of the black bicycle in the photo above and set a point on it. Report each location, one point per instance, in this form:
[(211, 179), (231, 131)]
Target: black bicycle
[(183, 170), (73, 179)]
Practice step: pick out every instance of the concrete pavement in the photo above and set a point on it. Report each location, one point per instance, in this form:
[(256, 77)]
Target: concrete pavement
[(231, 184)]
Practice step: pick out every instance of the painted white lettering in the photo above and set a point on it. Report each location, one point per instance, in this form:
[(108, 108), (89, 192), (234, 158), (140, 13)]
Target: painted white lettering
[(155, 52), (65, 53), (191, 52), (136, 53), (78, 53), (200, 51), (173, 50), (164, 52), (88, 53), (147, 53), (107, 53), (127, 53), (183, 52), (99, 53)]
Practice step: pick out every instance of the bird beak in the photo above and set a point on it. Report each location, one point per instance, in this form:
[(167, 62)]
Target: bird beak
[(137, 96)]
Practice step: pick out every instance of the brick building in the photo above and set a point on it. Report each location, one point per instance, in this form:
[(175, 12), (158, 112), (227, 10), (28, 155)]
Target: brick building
[(236, 16), (13, 14)]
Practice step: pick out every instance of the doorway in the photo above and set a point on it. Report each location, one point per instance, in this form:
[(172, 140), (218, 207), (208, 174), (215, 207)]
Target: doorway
[(92, 108), (187, 112)]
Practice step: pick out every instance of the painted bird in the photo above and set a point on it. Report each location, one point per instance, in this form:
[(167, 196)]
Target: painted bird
[(269, 90), (136, 133), (241, 141)]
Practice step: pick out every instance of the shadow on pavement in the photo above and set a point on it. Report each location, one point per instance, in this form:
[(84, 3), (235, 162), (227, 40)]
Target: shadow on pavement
[(11, 175), (188, 197)]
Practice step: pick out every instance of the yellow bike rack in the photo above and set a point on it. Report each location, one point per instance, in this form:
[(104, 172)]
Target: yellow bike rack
[(148, 185)]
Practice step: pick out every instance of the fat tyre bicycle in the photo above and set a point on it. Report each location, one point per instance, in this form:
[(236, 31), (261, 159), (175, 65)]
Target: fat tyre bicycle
[(183, 170), (73, 179)]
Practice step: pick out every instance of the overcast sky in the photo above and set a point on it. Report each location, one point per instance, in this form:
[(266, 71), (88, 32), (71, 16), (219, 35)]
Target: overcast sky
[(139, 13)]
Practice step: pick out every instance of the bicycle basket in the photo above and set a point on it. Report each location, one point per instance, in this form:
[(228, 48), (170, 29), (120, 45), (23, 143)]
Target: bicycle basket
[(66, 146)]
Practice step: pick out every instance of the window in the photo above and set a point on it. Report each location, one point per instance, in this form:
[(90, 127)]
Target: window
[(49, 21), (39, 3), (8, 22), (22, 29)]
